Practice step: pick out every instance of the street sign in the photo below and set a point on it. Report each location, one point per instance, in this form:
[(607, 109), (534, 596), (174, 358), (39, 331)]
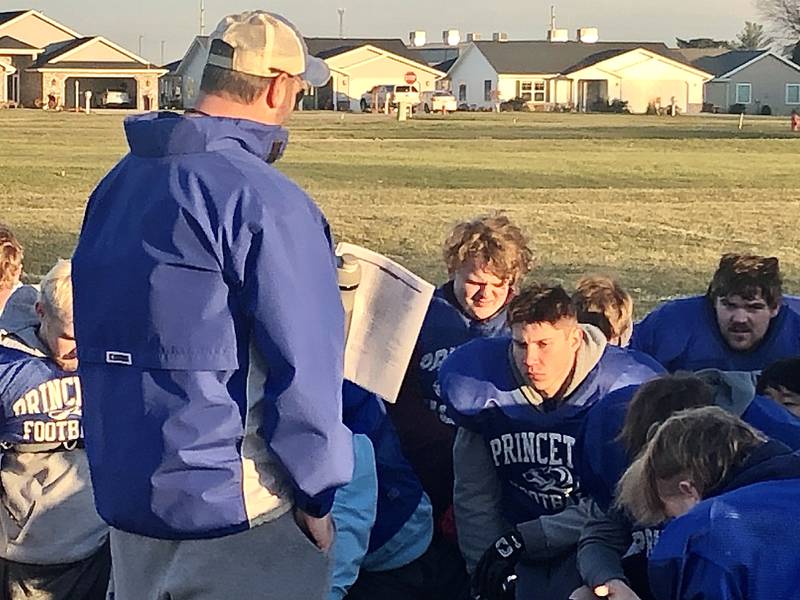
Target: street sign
[(411, 78)]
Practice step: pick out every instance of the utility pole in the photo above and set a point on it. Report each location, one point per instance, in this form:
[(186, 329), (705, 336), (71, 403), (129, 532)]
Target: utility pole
[(341, 22), (202, 17), (552, 17), (141, 38), (163, 45)]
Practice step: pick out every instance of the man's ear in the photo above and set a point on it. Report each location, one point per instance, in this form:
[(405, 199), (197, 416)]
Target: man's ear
[(275, 96), (687, 488), (39, 310)]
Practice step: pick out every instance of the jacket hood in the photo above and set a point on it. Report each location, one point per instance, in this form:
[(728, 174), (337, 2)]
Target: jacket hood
[(156, 135), (771, 461), (733, 390), (19, 323)]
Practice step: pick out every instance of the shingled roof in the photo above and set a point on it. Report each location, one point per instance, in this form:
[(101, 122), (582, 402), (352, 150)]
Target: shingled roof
[(328, 47), (9, 43), (529, 57), (725, 63), (11, 14)]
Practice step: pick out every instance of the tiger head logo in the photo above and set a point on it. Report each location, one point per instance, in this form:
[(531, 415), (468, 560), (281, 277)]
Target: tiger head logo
[(555, 480)]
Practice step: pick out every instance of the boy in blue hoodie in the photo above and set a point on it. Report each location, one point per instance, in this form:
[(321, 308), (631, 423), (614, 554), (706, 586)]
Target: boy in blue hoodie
[(612, 551), (741, 324), (520, 405), (732, 497)]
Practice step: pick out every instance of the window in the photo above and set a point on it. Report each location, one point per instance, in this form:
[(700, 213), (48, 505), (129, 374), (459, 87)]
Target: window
[(526, 90), (793, 93), (462, 92), (744, 93), (538, 89), (487, 90)]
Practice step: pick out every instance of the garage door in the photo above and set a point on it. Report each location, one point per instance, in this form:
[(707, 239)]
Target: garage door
[(640, 93)]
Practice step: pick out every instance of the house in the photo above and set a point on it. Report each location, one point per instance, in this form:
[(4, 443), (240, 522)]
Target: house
[(46, 64), (169, 86), (187, 75), (576, 74), (760, 81), (357, 65)]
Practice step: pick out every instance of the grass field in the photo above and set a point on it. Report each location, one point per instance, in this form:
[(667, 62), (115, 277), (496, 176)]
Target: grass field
[(652, 200)]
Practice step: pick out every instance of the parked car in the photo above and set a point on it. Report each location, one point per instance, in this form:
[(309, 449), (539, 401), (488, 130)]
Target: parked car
[(115, 98), (438, 101), (408, 94)]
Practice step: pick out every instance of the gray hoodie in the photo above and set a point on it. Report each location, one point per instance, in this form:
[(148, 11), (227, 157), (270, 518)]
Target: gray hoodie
[(477, 493), (47, 512)]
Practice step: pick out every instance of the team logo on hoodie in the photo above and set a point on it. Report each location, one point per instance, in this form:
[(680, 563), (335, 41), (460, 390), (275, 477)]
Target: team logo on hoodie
[(51, 411)]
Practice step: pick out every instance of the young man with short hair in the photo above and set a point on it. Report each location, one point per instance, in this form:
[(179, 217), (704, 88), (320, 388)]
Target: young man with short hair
[(53, 544), (732, 497), (741, 324), (602, 302), (520, 403), (487, 257), (211, 332), (781, 382)]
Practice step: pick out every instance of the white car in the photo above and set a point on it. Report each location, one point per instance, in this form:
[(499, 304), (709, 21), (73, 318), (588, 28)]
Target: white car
[(115, 98), (439, 101), (408, 94)]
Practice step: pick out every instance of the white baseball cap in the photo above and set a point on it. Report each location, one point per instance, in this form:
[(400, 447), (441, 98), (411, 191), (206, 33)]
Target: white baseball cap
[(264, 44)]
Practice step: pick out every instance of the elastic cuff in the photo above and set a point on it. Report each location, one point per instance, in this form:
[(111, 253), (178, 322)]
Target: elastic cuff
[(534, 537), (317, 506)]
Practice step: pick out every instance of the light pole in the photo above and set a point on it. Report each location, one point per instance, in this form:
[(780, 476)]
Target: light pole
[(163, 45), (141, 39), (341, 22)]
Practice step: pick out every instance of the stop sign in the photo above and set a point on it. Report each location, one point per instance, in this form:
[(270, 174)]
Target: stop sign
[(411, 78)]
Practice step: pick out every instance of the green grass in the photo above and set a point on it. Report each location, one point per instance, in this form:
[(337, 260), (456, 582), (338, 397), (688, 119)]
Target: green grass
[(652, 200)]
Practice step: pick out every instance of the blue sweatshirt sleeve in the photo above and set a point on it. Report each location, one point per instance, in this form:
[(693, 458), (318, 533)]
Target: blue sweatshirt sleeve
[(289, 288), (660, 334), (693, 577), (774, 420)]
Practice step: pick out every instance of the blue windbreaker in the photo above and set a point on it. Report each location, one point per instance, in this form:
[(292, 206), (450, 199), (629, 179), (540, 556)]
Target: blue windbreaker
[(210, 334), (535, 453), (739, 544), (683, 335)]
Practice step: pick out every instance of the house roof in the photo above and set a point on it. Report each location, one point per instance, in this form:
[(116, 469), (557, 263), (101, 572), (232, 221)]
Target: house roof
[(526, 57), (445, 66), (328, 47), (725, 63), (11, 14), (9, 43), (173, 66), (50, 58), (693, 54)]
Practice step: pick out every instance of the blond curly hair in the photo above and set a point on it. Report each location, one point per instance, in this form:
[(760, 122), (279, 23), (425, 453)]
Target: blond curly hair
[(11, 256), (494, 243)]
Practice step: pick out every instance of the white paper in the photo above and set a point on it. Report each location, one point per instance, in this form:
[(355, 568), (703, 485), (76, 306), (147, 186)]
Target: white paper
[(388, 311)]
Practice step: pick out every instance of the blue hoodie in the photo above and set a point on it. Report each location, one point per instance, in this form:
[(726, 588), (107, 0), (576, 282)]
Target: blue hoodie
[(683, 335), (740, 543), (210, 334)]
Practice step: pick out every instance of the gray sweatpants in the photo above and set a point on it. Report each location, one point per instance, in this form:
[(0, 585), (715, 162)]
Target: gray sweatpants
[(274, 561)]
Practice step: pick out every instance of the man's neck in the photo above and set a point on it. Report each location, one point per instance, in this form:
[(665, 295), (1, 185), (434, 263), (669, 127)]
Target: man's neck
[(556, 392), (219, 106)]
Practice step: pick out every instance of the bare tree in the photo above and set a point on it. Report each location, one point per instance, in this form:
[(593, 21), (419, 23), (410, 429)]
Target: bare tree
[(783, 16)]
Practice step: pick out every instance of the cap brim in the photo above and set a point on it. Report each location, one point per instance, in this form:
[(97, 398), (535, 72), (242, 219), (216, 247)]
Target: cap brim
[(317, 72)]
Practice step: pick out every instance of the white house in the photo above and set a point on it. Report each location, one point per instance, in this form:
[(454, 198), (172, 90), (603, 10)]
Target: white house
[(357, 65), (760, 81), (576, 74)]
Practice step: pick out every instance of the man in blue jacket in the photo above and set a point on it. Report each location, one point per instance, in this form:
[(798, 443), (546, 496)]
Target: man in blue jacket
[(211, 330), (520, 405), (741, 324), (732, 495)]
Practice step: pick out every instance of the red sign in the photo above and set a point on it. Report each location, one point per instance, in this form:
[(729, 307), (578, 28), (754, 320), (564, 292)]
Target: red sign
[(411, 78)]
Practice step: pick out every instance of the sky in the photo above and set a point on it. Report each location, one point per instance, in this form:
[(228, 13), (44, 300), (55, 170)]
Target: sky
[(176, 22)]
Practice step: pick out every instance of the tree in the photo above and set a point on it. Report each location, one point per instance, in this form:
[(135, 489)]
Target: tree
[(783, 16), (752, 37), (702, 43)]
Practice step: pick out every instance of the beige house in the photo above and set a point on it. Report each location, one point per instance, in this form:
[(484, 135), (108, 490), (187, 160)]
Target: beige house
[(48, 65), (758, 81), (358, 65), (577, 75)]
